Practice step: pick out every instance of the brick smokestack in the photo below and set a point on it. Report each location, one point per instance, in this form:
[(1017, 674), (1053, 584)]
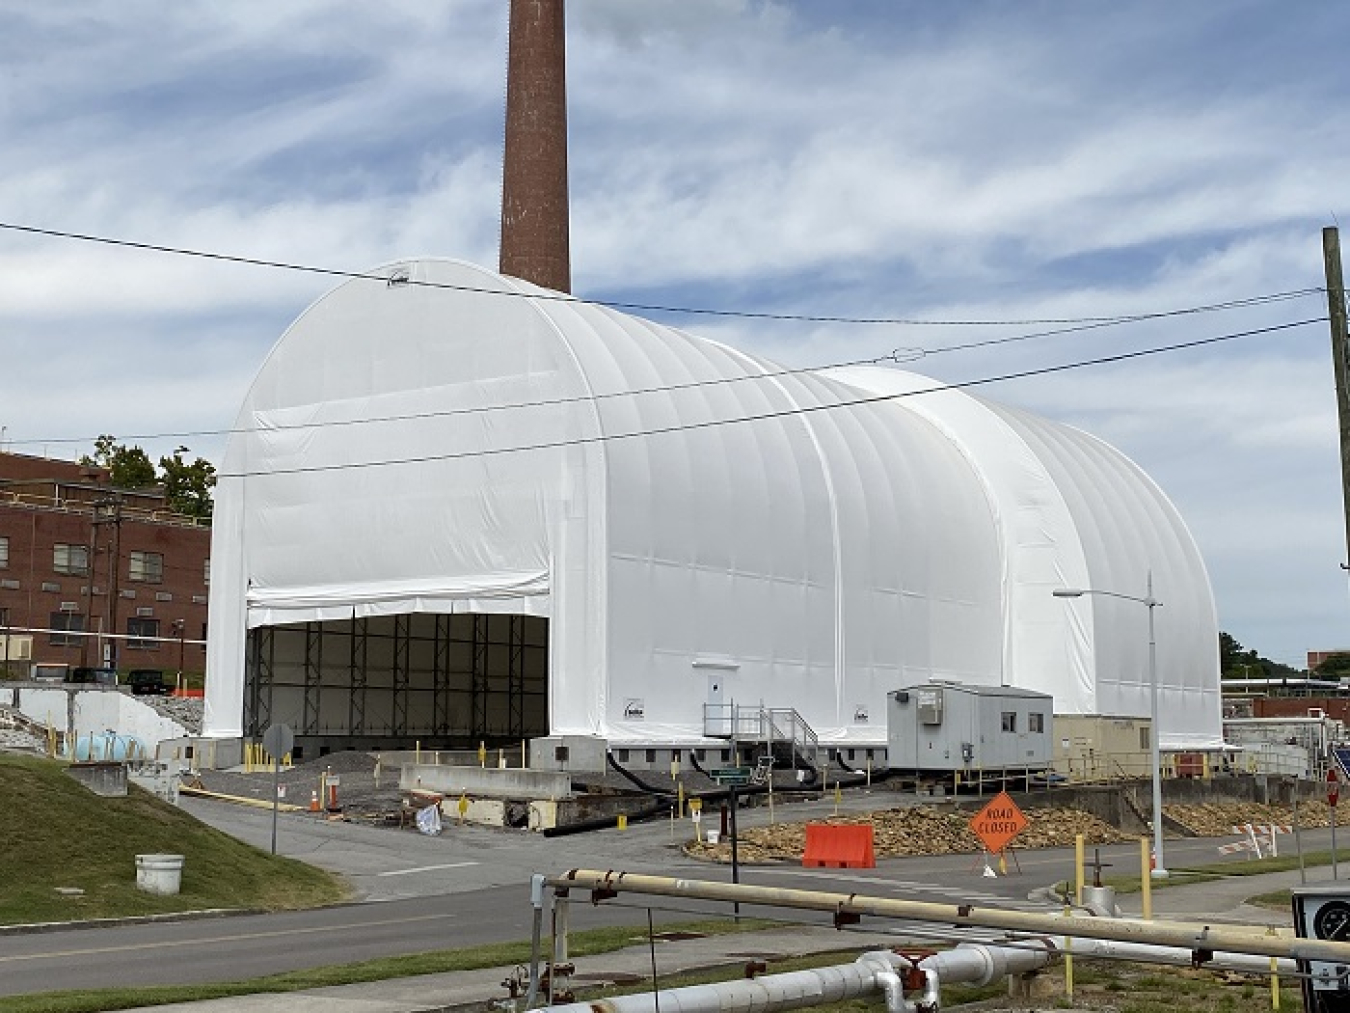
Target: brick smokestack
[(534, 173)]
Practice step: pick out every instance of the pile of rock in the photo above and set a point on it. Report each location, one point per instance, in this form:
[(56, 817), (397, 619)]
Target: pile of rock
[(186, 710), (20, 735), (1217, 819), (917, 830)]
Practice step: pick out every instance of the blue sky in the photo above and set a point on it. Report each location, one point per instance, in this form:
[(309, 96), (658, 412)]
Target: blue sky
[(937, 161)]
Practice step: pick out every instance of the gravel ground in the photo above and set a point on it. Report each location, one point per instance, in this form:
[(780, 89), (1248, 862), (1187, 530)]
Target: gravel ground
[(186, 710), (365, 797), (360, 793), (17, 734)]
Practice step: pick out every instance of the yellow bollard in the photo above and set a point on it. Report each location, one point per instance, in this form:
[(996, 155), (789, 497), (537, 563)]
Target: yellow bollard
[(680, 796), (417, 751), (1146, 875), (463, 807), (482, 754), (1078, 845), (623, 822), (1068, 963)]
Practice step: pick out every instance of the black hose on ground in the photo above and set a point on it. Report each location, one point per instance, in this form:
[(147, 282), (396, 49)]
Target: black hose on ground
[(858, 777), (606, 822), (637, 781)]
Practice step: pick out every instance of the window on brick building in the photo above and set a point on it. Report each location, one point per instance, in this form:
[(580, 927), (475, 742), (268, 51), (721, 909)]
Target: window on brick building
[(138, 627), (72, 621), (4, 553), (70, 559), (206, 570), (147, 567)]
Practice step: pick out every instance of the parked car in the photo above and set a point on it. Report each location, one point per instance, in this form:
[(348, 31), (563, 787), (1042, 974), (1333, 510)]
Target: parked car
[(148, 682), (97, 676)]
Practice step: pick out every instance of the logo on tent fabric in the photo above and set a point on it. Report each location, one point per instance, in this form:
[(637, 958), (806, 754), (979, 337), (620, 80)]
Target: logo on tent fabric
[(633, 710)]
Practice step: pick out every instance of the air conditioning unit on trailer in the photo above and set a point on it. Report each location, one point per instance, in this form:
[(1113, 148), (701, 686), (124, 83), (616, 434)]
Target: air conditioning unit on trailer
[(16, 648)]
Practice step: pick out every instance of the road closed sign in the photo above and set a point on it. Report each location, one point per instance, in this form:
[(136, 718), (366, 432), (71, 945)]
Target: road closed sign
[(998, 823)]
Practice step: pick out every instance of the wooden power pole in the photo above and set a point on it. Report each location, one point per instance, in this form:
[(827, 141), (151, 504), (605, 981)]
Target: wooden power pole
[(1340, 359)]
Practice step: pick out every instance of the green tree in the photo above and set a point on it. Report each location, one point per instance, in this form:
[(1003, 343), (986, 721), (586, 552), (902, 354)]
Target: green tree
[(128, 467), (1333, 667), (1238, 662), (188, 485)]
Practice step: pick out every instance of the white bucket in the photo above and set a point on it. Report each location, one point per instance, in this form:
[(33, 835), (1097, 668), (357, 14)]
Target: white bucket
[(714, 836), (162, 874)]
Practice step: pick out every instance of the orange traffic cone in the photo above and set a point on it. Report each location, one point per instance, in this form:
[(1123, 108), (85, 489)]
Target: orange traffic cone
[(313, 801)]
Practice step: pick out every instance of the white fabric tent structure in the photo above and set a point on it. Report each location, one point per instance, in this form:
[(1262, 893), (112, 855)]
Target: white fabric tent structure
[(697, 524)]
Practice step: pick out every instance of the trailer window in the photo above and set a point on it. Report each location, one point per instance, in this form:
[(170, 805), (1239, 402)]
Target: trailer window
[(1010, 721)]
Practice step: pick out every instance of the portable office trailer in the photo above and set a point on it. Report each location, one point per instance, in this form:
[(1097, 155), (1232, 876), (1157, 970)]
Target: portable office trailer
[(945, 726)]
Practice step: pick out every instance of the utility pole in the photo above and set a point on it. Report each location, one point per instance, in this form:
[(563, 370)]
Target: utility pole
[(92, 571), (109, 511), (1340, 359)]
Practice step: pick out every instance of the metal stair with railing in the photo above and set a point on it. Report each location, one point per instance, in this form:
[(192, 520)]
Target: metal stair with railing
[(780, 731)]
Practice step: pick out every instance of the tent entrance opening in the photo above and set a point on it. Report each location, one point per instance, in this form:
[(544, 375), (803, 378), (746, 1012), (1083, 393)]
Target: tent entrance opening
[(446, 681)]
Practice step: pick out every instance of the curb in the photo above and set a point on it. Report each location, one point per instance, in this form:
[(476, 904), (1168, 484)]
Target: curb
[(103, 923)]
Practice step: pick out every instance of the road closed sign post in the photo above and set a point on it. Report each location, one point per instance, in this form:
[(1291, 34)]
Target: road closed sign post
[(998, 823), (278, 740)]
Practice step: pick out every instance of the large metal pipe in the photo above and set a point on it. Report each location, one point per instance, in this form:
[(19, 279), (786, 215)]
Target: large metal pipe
[(1198, 938), (873, 971), (1114, 949), (984, 963)]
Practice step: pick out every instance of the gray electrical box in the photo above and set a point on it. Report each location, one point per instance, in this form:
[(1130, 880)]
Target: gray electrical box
[(948, 726), (929, 699), (1323, 912)]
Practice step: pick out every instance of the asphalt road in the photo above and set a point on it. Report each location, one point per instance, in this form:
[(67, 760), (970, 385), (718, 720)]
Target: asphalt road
[(471, 886)]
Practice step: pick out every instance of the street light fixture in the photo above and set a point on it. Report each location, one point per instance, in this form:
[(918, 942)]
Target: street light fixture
[(1149, 602)]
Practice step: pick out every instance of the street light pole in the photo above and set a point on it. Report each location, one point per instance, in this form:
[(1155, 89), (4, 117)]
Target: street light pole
[(1154, 738)]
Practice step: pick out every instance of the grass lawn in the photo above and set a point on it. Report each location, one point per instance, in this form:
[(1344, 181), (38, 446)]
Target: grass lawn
[(60, 834), (580, 944), (1226, 870)]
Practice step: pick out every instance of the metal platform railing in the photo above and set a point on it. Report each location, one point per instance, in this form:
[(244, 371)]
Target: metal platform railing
[(759, 725)]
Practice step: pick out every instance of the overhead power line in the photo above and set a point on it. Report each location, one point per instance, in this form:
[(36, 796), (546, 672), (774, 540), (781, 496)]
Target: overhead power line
[(645, 307), (781, 413), (898, 356)]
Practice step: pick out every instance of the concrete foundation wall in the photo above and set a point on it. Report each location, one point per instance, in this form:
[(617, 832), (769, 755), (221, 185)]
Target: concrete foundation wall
[(107, 779), (490, 782), (195, 752), (94, 710)]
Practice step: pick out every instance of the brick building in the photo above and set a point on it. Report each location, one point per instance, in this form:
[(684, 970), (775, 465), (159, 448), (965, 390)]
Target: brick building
[(92, 574)]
